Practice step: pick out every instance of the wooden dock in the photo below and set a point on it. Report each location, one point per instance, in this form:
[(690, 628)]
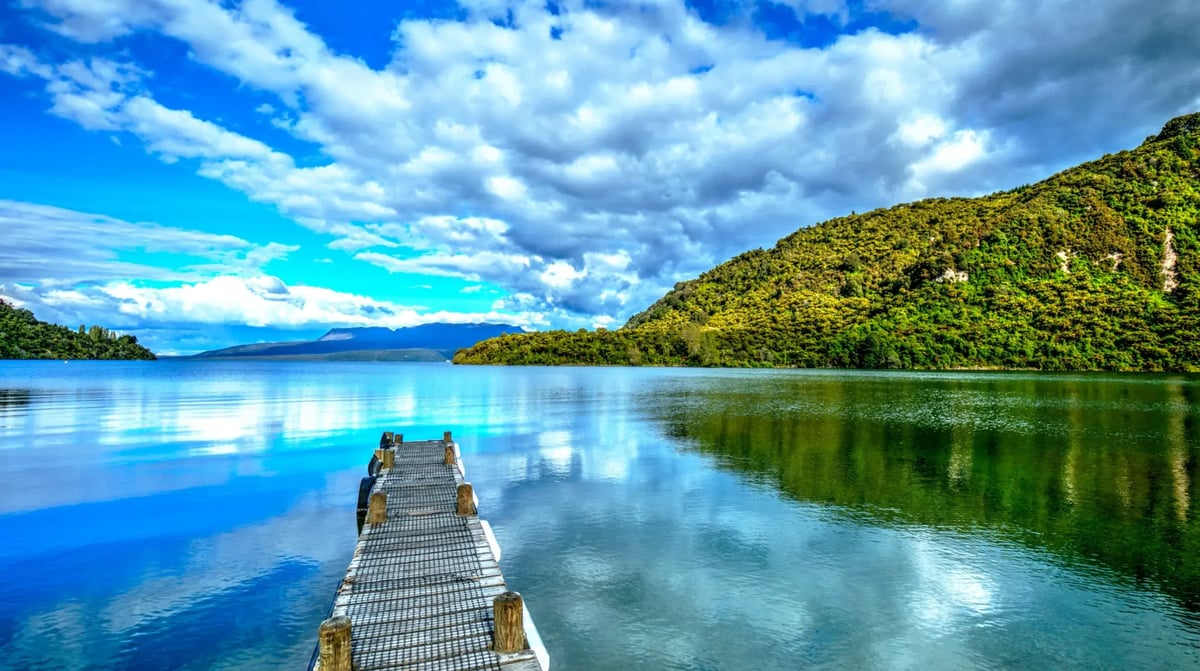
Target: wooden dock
[(424, 588)]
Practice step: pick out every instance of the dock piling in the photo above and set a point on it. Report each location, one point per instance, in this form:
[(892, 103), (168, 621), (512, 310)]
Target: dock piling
[(449, 458), (466, 500), (446, 437), (377, 510), (508, 614), (333, 644)]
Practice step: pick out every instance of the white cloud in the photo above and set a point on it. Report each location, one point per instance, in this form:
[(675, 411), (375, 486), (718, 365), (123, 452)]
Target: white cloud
[(178, 134), (952, 155), (255, 301), (55, 247), (585, 161), (506, 187), (962, 150), (19, 61), (103, 95), (435, 232), (921, 130), (474, 267), (559, 275)]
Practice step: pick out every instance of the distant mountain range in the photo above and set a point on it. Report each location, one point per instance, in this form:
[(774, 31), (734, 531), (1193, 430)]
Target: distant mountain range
[(427, 342)]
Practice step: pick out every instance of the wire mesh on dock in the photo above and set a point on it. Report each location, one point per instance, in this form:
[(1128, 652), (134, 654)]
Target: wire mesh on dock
[(420, 587)]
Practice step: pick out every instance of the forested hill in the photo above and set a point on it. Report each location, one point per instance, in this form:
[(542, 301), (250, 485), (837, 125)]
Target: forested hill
[(22, 336), (1097, 267)]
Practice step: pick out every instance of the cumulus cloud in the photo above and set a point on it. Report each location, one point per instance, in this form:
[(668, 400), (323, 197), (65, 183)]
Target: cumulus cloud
[(585, 159), (1054, 78)]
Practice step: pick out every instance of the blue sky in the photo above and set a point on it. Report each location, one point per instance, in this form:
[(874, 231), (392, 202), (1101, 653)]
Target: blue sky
[(202, 174)]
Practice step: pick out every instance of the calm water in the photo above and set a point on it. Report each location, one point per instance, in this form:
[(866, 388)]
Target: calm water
[(198, 515)]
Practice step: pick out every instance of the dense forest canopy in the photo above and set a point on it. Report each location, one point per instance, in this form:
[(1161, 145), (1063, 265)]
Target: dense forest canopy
[(23, 336), (1095, 268)]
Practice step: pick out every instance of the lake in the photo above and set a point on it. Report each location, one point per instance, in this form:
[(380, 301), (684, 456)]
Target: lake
[(198, 515)]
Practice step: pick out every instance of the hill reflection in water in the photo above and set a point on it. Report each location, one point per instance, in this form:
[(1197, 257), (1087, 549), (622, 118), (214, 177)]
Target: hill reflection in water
[(1090, 469)]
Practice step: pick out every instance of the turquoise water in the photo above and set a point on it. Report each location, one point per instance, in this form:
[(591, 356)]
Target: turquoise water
[(198, 515)]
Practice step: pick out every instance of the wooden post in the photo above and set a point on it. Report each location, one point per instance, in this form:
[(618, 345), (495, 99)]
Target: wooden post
[(377, 508), (385, 439), (449, 458), (508, 612), (446, 437), (333, 643), (466, 499), (399, 439), (388, 458)]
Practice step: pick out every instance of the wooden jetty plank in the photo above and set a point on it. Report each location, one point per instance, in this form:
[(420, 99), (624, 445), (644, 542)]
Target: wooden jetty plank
[(424, 585)]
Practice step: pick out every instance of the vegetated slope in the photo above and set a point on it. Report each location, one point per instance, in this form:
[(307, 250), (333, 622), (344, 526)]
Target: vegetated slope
[(421, 343), (1097, 267), (23, 336)]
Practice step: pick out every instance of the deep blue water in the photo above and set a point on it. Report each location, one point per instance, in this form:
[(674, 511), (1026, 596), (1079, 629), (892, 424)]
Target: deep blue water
[(198, 515)]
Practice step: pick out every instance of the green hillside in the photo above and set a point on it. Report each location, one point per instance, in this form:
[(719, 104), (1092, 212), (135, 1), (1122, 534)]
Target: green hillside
[(1095, 268), (22, 336)]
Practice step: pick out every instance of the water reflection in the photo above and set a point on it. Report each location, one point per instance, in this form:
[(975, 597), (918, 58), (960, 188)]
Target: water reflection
[(193, 580), (686, 569), (13, 397), (143, 425), (1097, 469), (654, 519)]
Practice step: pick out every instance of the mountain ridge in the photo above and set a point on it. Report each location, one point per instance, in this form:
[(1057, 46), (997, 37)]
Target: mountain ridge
[(1096, 267), (421, 342)]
